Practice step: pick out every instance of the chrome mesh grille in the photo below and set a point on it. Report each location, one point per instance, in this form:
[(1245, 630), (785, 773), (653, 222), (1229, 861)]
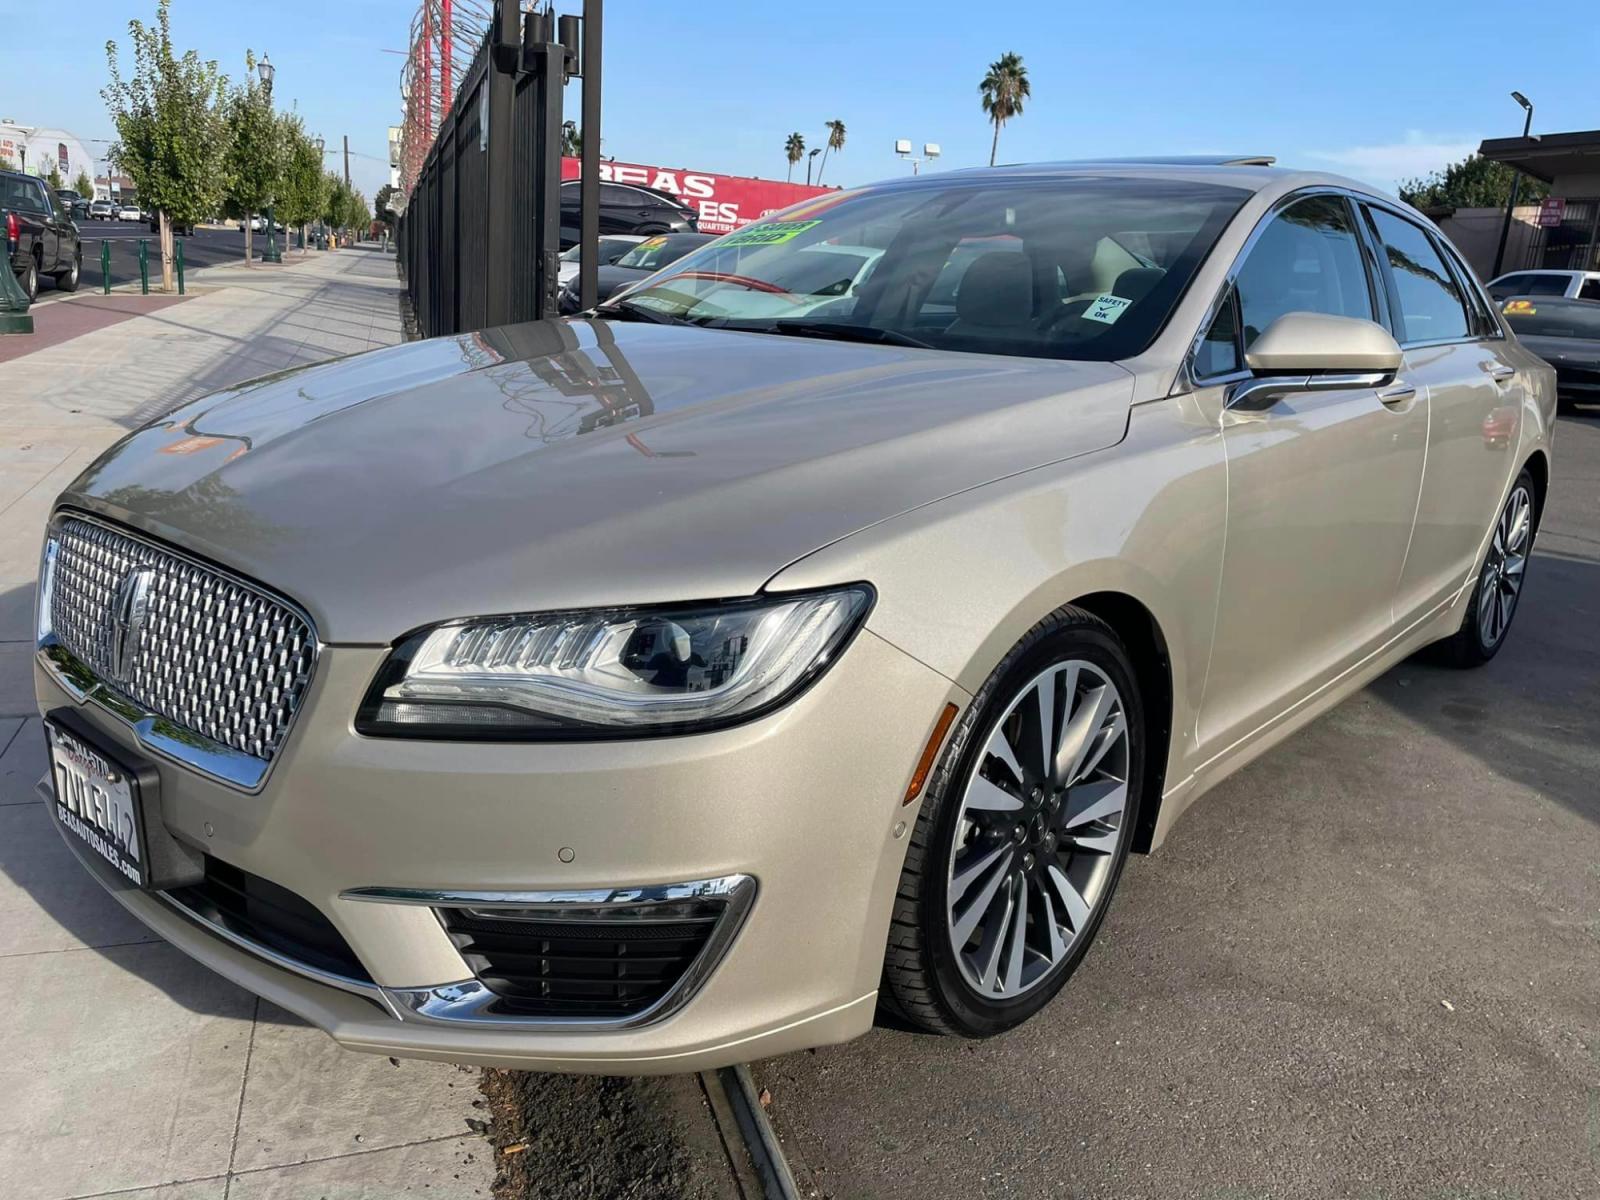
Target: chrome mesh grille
[(216, 656)]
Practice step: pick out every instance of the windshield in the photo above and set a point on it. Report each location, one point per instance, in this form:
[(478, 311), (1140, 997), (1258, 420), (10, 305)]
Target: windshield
[(1545, 318), (1075, 267)]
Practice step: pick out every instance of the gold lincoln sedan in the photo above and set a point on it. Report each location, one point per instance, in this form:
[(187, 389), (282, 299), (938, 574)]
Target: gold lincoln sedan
[(815, 627)]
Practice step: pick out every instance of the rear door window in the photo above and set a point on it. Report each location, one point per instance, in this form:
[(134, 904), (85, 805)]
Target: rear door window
[(1546, 285), (1590, 290), (1431, 307), (1510, 285)]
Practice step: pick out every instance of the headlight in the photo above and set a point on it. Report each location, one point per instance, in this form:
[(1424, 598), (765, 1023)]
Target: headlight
[(47, 589), (610, 672)]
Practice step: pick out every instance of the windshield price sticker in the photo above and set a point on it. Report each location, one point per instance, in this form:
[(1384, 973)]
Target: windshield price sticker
[(1106, 308), (769, 234), (1520, 307)]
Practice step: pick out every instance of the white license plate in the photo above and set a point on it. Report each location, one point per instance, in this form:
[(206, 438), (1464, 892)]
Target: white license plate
[(97, 803)]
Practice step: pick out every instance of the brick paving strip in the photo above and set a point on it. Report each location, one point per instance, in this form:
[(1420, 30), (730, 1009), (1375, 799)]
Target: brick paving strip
[(63, 320)]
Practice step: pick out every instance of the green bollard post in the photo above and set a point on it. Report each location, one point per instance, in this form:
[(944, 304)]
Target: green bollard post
[(105, 266), (144, 266), (177, 251), (14, 314)]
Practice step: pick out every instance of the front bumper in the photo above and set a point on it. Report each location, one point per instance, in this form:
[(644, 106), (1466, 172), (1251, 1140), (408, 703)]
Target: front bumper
[(805, 803)]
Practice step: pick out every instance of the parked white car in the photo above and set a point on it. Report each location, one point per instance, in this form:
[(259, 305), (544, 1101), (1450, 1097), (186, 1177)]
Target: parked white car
[(1574, 285), (612, 247), (128, 212)]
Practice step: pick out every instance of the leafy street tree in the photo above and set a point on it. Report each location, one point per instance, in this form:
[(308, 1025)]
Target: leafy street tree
[(254, 167), (83, 185), (171, 135), (571, 139), (835, 142), (301, 197), (380, 204), (1474, 182), (336, 201), (795, 149), (1004, 89), (54, 179)]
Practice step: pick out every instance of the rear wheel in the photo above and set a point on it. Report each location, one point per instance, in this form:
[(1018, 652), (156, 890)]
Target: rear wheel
[(1499, 584), (1023, 834), (29, 279)]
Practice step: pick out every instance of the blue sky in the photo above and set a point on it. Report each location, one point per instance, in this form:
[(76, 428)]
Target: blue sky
[(1378, 90)]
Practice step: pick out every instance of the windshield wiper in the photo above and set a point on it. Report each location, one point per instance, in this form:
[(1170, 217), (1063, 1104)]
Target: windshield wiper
[(627, 310), (844, 331)]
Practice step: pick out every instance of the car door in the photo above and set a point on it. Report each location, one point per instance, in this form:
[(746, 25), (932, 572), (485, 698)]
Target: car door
[(1455, 350), (43, 206), (1322, 486)]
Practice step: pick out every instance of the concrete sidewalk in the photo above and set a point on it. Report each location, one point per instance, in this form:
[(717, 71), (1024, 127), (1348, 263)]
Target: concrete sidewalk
[(125, 1068)]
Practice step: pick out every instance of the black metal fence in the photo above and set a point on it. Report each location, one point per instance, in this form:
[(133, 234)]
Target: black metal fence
[(480, 237)]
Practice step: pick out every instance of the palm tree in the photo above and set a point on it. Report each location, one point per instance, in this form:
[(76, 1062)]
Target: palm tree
[(835, 142), (1004, 89), (795, 148)]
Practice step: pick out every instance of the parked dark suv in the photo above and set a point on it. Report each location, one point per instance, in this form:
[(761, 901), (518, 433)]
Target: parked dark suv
[(627, 208), (40, 236)]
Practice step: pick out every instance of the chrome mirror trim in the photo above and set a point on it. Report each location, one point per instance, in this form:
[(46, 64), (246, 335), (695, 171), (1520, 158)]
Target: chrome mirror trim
[(1263, 391)]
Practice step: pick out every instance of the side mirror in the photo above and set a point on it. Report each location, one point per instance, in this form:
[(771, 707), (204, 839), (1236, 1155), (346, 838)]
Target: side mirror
[(1314, 352)]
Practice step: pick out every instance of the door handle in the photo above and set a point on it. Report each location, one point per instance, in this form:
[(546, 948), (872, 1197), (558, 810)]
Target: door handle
[(1499, 372), (1399, 392)]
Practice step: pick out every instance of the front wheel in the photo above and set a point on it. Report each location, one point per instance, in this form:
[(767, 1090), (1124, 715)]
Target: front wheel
[(1023, 835), (1499, 584), (67, 281)]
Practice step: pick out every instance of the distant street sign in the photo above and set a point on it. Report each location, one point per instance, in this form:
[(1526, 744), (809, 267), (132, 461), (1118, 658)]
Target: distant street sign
[(1552, 211)]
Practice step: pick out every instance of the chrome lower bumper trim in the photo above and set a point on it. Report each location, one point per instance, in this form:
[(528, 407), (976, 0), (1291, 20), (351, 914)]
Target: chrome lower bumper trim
[(470, 1003)]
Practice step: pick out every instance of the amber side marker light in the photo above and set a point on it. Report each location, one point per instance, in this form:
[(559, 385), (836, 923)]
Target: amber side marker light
[(929, 753)]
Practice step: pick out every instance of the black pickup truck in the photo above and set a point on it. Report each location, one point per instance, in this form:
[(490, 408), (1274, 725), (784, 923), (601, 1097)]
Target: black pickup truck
[(40, 236)]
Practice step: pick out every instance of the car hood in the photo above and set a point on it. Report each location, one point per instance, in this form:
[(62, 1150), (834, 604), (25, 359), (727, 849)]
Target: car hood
[(568, 464)]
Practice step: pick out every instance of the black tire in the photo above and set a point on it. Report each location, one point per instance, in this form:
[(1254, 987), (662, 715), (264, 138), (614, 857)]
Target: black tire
[(29, 279), (922, 981), (1471, 645), (67, 281)]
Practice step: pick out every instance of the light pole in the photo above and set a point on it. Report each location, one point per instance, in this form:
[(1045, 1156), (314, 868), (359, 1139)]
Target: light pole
[(1516, 185), (930, 151), (321, 235), (809, 158), (265, 69)]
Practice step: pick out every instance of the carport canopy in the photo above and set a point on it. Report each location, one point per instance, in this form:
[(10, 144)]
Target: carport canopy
[(1547, 157)]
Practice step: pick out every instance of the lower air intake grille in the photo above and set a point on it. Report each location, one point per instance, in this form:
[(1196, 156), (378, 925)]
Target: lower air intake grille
[(577, 966), (270, 916)]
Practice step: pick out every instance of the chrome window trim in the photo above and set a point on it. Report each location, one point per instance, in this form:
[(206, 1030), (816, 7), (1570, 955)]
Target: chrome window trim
[(467, 1003), (1447, 253), (152, 730)]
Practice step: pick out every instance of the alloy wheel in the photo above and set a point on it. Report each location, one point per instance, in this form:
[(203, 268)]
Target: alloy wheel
[(1039, 829), (1501, 582)]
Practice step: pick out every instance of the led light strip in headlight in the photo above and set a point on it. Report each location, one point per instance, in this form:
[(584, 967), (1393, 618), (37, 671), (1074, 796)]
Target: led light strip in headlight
[(611, 672)]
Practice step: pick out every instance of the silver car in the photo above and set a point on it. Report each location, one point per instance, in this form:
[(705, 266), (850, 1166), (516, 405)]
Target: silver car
[(683, 683)]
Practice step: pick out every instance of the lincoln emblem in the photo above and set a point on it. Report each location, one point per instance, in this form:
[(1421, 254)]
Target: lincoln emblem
[(128, 612)]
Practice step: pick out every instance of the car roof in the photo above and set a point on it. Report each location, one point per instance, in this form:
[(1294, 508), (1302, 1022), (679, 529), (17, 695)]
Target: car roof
[(1253, 173), (1565, 272)]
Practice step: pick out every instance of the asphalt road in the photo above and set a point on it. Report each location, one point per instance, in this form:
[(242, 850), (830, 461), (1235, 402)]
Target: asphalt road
[(1366, 966), (206, 247)]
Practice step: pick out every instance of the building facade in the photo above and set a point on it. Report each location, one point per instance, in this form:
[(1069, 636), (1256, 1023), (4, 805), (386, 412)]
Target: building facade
[(1566, 229), (37, 149)]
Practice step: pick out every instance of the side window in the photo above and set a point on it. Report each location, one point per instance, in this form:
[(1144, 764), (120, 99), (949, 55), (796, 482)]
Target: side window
[(1481, 319), (1590, 290), (1218, 353), (1430, 303), (1307, 260), (621, 197)]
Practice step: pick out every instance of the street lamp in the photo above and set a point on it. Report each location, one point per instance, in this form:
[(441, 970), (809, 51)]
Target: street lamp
[(265, 70), (1516, 185), (930, 151), (809, 159)]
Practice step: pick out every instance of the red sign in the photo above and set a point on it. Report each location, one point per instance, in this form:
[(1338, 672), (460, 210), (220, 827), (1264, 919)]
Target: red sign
[(1552, 211), (722, 202)]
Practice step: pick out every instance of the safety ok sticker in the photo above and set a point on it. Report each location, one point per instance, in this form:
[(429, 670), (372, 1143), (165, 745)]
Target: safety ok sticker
[(1106, 307), (768, 233)]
